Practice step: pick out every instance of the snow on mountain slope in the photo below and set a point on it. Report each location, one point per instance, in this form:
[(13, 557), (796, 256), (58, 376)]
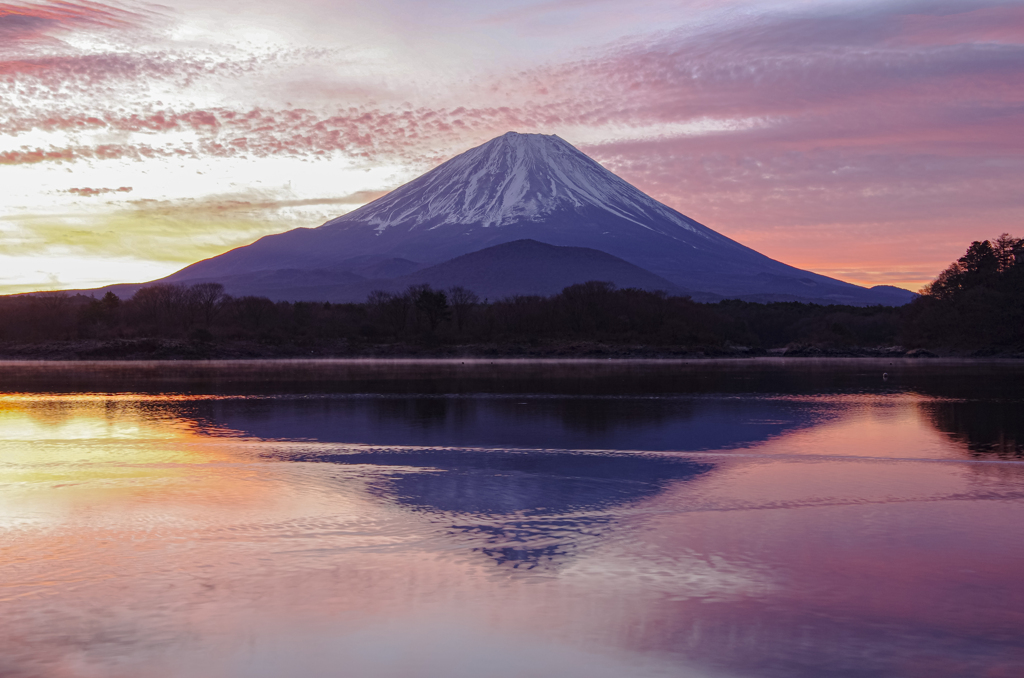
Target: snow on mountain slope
[(515, 178)]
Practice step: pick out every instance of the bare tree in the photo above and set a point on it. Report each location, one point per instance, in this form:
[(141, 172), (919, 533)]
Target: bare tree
[(207, 298), (158, 304), (462, 302), (392, 309), (431, 303), (51, 313), (582, 303), (524, 315), (253, 312)]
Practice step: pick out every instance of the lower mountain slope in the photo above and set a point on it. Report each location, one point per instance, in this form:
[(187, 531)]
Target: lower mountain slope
[(523, 267)]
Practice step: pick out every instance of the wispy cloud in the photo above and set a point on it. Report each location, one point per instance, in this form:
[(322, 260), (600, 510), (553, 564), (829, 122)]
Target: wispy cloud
[(46, 21), (175, 232), (889, 121), (793, 130), (92, 192), (364, 132)]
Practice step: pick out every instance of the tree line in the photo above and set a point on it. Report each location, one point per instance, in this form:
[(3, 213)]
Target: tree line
[(976, 303)]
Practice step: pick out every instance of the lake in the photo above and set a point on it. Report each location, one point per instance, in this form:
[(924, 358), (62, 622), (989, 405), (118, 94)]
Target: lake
[(708, 519)]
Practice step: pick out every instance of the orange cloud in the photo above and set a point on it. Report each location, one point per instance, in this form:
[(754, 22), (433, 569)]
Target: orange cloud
[(90, 192)]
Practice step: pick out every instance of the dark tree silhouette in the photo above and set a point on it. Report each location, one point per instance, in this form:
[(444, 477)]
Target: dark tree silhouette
[(207, 298), (110, 301), (462, 302), (583, 303), (1008, 251), (390, 309), (976, 267), (254, 313), (157, 304), (977, 301), (431, 303)]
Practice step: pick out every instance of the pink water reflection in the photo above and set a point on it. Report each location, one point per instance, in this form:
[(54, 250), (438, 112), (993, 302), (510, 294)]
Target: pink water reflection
[(140, 540)]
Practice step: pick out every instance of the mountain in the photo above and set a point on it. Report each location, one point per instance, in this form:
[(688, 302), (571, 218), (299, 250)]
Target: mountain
[(533, 187), (523, 267)]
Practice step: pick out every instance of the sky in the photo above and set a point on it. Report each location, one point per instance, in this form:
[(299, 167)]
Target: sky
[(868, 141)]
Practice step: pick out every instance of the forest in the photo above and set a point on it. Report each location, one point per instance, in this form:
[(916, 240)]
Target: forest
[(974, 307)]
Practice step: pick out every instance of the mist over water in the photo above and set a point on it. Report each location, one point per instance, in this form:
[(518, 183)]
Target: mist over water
[(503, 518)]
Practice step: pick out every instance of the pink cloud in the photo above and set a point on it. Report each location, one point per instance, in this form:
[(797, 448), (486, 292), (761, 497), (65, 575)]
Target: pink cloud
[(822, 67), (360, 132), (877, 120), (33, 22), (29, 157), (864, 130), (65, 77), (992, 24)]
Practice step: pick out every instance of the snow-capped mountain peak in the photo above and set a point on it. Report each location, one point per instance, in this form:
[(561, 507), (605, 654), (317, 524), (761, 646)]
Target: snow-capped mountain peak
[(511, 179)]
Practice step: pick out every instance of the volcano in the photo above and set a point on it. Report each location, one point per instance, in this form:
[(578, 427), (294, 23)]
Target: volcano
[(521, 187)]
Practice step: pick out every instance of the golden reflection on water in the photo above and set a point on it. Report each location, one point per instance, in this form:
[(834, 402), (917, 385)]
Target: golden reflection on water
[(91, 438), (121, 461)]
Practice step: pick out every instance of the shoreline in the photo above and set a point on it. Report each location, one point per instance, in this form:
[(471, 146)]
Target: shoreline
[(165, 350)]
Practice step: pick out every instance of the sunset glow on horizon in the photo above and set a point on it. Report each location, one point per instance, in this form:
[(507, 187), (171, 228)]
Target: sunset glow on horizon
[(867, 141)]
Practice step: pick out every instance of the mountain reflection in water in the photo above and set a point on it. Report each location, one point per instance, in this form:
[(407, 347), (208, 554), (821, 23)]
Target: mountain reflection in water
[(764, 519), (456, 457), (526, 509), (550, 422)]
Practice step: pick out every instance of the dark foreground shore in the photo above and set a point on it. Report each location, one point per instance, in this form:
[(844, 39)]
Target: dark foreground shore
[(171, 349)]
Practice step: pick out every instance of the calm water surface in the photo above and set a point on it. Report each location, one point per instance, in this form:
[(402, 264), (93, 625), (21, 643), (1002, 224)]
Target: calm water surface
[(449, 519)]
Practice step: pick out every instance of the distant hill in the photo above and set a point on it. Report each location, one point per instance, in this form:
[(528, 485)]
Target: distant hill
[(523, 267), (531, 267)]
